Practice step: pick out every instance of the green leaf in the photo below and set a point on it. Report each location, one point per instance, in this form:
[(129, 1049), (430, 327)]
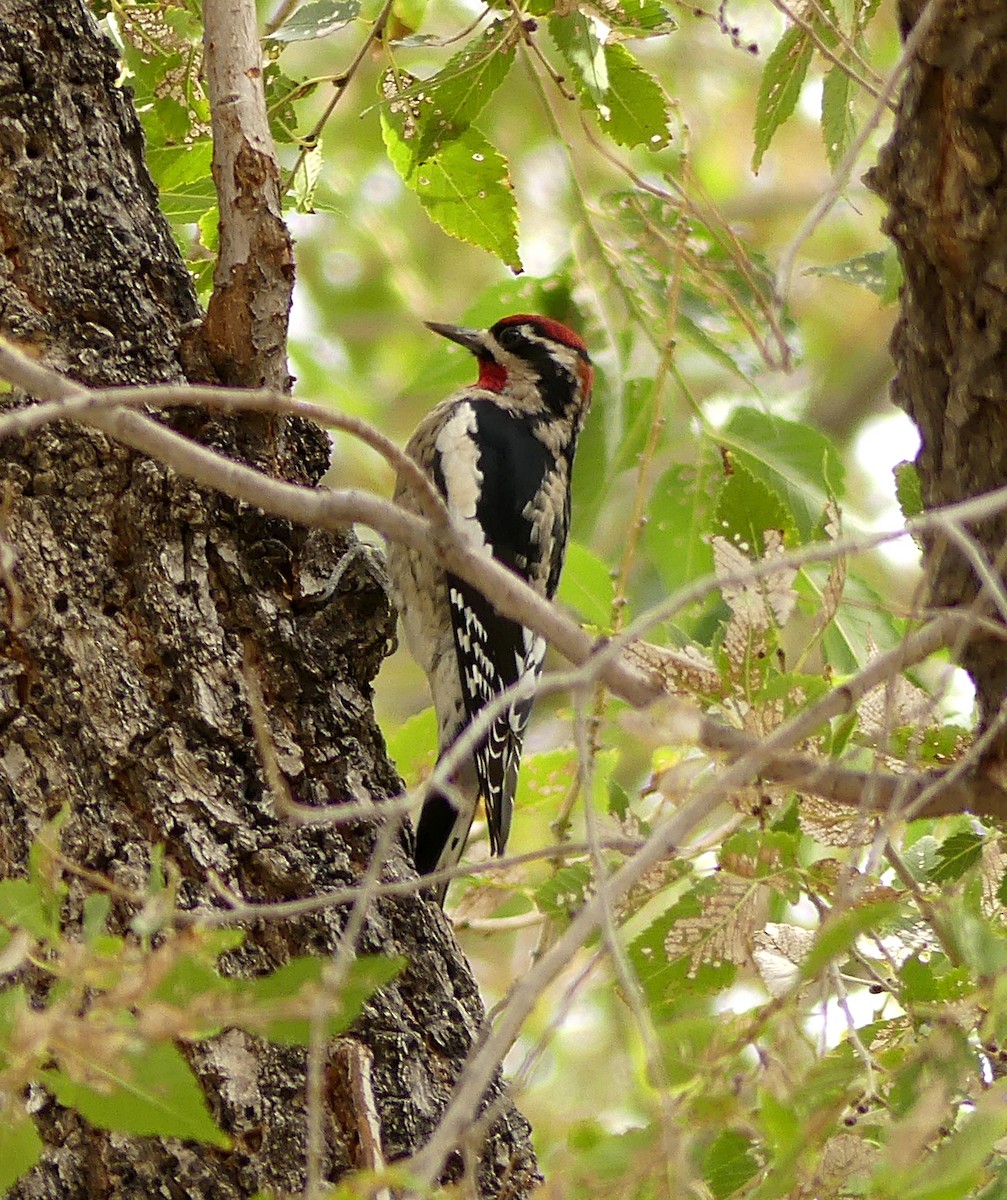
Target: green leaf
[(631, 106), (461, 89), (747, 509), (795, 461), (934, 982), (577, 37), (839, 933), (317, 20), (22, 906), (729, 1163), (149, 1090), (635, 111), (837, 115), (636, 16), (908, 489), (780, 88), (586, 586), (97, 906), (465, 186), (670, 976), (562, 896), (304, 975), (20, 1145), (182, 175), (956, 854), (412, 746), (680, 514), (878, 270)]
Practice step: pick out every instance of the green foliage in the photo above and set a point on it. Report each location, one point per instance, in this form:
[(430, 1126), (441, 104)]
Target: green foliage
[(107, 1036), (145, 1089)]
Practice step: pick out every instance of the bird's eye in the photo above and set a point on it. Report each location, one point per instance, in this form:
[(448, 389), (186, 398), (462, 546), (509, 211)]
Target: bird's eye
[(510, 337)]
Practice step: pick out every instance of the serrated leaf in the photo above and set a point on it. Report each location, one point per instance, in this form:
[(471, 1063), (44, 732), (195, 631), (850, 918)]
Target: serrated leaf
[(679, 956), (150, 1090), (20, 1145), (465, 186), (837, 115), (462, 88), (317, 20), (566, 892), (631, 107), (747, 509), (578, 39), (934, 982), (795, 461), (184, 182), (637, 109), (780, 88), (729, 1163), (908, 489), (955, 855), (586, 586), (636, 16)]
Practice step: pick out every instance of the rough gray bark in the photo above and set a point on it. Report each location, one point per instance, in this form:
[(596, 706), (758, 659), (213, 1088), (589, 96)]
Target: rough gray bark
[(942, 174), (132, 599)]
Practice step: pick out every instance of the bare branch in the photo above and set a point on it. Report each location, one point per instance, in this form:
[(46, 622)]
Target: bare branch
[(246, 321)]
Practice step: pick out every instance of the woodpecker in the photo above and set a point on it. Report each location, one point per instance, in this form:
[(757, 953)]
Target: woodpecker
[(500, 452)]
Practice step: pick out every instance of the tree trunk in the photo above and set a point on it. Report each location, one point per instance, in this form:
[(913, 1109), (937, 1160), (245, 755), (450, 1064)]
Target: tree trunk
[(942, 174), (133, 598)]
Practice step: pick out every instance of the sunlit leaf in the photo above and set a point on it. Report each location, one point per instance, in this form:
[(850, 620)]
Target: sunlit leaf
[(580, 41), (956, 854), (636, 110), (464, 85), (412, 746)]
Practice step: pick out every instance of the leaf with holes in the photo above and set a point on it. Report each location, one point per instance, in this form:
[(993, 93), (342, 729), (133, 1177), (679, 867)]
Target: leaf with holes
[(461, 89), (465, 187), (578, 39), (317, 20), (635, 112), (782, 79)]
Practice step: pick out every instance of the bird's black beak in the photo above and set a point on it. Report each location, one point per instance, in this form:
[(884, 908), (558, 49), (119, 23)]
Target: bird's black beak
[(471, 339)]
